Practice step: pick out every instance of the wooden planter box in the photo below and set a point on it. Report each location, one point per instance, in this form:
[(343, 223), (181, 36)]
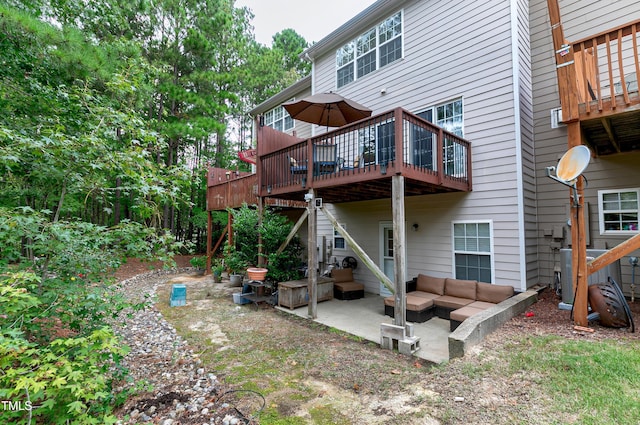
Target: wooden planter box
[(294, 293)]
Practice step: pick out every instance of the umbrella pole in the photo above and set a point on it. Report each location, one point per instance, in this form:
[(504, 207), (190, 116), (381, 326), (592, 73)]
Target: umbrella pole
[(328, 113)]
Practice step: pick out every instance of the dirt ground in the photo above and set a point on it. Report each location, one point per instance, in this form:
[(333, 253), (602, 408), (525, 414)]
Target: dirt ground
[(366, 385)]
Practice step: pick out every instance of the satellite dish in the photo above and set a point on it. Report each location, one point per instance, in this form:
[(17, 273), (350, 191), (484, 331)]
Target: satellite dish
[(573, 163)]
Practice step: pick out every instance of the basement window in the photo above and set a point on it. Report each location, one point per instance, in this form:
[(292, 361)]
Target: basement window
[(473, 250), (618, 211), (338, 240)]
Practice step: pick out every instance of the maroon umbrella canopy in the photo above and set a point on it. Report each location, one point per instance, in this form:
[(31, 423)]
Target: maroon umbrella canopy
[(328, 109)]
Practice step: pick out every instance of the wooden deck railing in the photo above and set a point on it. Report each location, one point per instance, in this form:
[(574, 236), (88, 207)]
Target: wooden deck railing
[(607, 65), (394, 142), (230, 189)]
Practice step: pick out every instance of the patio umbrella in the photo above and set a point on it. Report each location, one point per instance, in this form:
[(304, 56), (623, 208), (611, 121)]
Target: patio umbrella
[(328, 109)]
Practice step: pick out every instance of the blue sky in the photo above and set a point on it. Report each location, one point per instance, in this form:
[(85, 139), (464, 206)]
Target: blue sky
[(311, 19)]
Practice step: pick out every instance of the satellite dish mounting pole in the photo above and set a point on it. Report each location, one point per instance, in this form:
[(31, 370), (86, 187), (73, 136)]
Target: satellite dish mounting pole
[(568, 91), (578, 240)]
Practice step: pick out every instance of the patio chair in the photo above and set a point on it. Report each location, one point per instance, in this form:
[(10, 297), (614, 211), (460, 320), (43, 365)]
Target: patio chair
[(325, 160), (297, 167)]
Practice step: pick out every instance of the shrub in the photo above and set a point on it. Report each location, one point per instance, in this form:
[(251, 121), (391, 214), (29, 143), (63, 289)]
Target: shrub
[(273, 230), (59, 357)]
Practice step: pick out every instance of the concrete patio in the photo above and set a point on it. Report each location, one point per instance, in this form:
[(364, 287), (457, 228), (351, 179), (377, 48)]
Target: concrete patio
[(363, 317)]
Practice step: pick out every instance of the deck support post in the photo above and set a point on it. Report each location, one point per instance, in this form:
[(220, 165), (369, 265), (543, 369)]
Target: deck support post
[(207, 269), (568, 90), (578, 240), (312, 256), (399, 262)]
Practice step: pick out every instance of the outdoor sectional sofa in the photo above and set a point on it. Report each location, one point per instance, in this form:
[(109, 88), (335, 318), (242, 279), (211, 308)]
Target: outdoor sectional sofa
[(451, 299), (344, 287)]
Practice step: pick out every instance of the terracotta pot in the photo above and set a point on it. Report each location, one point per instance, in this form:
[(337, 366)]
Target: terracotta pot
[(256, 273)]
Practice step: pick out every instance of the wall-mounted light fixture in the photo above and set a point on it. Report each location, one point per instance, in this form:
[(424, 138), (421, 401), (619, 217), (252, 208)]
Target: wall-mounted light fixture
[(304, 182), (415, 227), (269, 189)]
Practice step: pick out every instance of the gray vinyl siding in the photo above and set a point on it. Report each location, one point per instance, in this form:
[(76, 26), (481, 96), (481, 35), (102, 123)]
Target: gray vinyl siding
[(300, 128), (580, 19), (455, 50), (527, 150)]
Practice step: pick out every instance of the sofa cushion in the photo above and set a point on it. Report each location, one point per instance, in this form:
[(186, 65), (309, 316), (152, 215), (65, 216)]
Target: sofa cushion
[(493, 293), (414, 303), (348, 286), (426, 283), (450, 302), (464, 313), (483, 305), (427, 295), (418, 303), (460, 288), (342, 275)]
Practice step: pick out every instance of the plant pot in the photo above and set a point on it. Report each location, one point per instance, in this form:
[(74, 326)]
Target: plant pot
[(235, 280), (217, 278), (257, 273)]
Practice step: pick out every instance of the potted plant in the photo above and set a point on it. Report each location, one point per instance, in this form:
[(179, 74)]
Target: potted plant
[(235, 263), (199, 262), (217, 267)]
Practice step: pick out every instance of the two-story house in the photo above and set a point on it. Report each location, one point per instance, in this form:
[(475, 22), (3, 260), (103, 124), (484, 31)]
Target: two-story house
[(466, 118)]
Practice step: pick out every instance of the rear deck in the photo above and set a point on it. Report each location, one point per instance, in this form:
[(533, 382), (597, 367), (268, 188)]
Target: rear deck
[(606, 67), (356, 161), (352, 163)]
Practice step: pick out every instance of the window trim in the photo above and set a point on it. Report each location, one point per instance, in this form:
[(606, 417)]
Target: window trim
[(352, 45), (490, 254), (452, 168), (337, 235), (272, 112), (601, 211)]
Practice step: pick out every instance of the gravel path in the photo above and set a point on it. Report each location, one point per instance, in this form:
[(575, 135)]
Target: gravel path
[(180, 390)]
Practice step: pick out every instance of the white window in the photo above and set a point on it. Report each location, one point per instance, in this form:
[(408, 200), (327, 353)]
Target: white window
[(338, 240), (450, 117), (375, 48), (473, 250), (279, 119), (618, 211)]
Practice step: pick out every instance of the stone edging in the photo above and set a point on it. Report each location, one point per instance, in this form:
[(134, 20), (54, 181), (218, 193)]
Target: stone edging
[(475, 328)]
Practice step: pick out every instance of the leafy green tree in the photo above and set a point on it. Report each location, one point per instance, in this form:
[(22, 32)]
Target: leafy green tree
[(290, 45)]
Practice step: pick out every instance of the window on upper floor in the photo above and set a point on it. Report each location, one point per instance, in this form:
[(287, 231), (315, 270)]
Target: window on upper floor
[(279, 119), (448, 115), (618, 211), (375, 48), (472, 250)]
